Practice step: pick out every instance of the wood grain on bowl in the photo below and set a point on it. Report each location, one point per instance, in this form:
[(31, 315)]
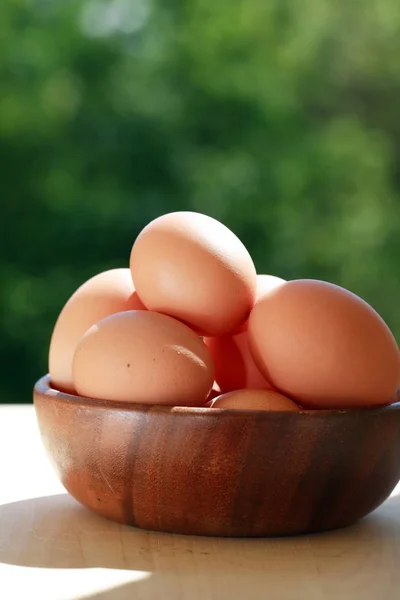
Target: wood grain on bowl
[(221, 472)]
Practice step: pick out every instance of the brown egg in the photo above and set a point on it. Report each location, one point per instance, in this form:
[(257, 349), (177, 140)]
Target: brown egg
[(190, 266), (234, 365), (254, 400), (145, 357), (102, 295), (324, 346)]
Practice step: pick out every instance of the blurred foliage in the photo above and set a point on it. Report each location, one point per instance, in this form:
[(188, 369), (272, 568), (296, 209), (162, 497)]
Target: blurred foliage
[(279, 118)]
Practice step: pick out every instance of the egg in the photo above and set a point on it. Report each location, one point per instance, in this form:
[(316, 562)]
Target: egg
[(145, 357), (191, 267), (234, 365), (254, 400), (104, 294), (323, 346)]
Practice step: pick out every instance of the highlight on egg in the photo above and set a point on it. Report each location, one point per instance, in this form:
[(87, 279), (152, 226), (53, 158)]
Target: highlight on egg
[(192, 267), (324, 346), (215, 390), (100, 296), (143, 357)]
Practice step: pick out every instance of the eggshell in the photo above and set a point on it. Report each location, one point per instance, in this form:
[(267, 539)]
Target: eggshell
[(324, 346), (190, 266), (254, 400), (139, 356), (234, 365), (102, 295)]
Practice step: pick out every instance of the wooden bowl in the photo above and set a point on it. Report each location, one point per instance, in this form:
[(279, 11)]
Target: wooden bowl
[(222, 472)]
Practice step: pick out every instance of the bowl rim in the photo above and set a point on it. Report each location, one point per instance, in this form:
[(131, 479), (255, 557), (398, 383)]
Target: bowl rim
[(42, 387)]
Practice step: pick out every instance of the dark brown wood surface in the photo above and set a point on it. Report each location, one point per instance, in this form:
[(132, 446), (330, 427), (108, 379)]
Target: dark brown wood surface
[(221, 472)]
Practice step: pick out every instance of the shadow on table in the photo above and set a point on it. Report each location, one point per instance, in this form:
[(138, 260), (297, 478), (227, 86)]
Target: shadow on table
[(55, 532)]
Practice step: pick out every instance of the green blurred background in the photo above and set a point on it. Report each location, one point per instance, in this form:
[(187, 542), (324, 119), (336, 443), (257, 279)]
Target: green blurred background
[(281, 118)]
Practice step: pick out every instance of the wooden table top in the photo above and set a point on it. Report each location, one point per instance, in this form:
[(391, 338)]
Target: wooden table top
[(51, 548)]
